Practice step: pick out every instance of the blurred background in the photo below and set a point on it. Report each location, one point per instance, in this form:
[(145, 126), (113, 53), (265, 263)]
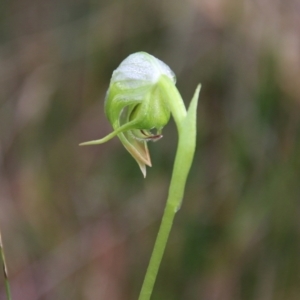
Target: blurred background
[(80, 222)]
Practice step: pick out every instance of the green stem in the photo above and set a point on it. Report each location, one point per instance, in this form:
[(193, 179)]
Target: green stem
[(158, 251), (6, 282), (186, 125)]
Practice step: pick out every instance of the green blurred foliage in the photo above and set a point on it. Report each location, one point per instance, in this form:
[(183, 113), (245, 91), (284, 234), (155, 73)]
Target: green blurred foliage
[(80, 223)]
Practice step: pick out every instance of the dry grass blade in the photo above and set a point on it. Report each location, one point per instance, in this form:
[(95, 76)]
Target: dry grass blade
[(6, 281)]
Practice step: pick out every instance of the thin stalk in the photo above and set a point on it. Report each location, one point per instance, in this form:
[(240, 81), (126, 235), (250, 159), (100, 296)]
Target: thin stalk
[(6, 281), (184, 157)]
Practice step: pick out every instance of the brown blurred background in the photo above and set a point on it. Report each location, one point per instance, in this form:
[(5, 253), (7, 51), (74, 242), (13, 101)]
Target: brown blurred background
[(80, 223)]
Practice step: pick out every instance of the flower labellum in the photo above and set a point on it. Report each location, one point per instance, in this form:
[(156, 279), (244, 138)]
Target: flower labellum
[(136, 104)]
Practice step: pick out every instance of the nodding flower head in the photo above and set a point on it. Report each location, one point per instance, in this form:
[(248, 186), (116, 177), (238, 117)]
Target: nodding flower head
[(136, 104)]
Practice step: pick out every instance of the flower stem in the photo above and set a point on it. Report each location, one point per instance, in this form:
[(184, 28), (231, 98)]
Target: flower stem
[(158, 251), (186, 125), (6, 281)]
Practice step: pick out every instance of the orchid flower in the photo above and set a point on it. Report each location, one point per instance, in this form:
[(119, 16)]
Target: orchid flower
[(141, 97), (136, 105)]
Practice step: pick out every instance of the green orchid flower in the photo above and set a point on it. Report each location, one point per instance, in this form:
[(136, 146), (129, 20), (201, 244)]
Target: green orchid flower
[(141, 97), (136, 105)]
